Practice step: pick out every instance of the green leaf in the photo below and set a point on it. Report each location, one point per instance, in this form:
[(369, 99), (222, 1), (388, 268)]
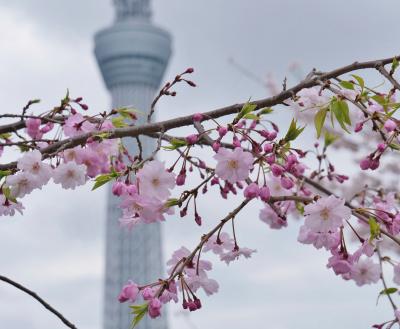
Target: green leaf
[(139, 311), (346, 84), (359, 80), (265, 110), (127, 113), (340, 109), (329, 139), (7, 193), (395, 65), (246, 109), (387, 292), (175, 144), (374, 228), (5, 173), (103, 179), (251, 116), (319, 120), (171, 203), (394, 146), (379, 99), (119, 122), (293, 131), (5, 136), (300, 207)]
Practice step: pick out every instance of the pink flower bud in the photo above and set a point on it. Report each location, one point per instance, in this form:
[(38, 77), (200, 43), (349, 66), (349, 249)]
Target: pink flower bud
[(374, 164), (148, 293), (268, 148), (272, 135), (358, 127), (191, 139), (270, 159), (276, 170), (129, 292), (264, 194), (197, 117), (216, 146), (287, 183), (192, 306), (155, 308), (222, 131), (119, 188), (381, 147), (181, 178), (365, 163), (251, 191), (214, 181), (236, 142), (197, 219), (390, 125)]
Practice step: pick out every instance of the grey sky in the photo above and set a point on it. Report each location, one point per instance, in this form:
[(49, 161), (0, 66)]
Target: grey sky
[(57, 247)]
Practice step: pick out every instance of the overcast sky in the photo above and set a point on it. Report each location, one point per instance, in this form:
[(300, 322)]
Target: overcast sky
[(57, 248)]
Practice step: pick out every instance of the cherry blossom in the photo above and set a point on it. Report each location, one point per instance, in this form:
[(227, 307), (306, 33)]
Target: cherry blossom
[(70, 175), (155, 181), (365, 271), (233, 166), (326, 215)]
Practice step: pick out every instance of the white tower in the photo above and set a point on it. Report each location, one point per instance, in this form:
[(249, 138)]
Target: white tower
[(132, 55)]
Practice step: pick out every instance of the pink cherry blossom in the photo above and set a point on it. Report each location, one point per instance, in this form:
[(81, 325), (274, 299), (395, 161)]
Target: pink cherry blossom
[(22, 183), (326, 215), (270, 217), (148, 209), (70, 175), (155, 181), (365, 271), (225, 243), (233, 166), (31, 162), (328, 240), (235, 254), (32, 128), (77, 125)]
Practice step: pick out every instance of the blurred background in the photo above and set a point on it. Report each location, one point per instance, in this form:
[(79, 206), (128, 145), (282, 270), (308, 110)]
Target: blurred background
[(57, 248)]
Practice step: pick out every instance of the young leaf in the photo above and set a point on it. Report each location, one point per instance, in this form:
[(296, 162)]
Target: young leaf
[(246, 109), (374, 228), (329, 139), (103, 179), (119, 122), (139, 311), (265, 110), (319, 120), (293, 131), (387, 291), (359, 80), (395, 65), (340, 110), (346, 84), (175, 144)]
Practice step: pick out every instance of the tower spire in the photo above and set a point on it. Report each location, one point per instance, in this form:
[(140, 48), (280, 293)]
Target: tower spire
[(132, 9)]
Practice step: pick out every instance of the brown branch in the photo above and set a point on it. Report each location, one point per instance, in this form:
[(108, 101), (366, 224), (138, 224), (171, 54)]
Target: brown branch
[(149, 128), (40, 300)]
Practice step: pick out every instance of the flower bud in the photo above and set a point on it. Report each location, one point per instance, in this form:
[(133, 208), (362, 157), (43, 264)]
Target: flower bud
[(251, 191), (197, 117)]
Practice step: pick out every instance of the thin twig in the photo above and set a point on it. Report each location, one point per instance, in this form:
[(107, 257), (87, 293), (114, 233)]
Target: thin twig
[(39, 299)]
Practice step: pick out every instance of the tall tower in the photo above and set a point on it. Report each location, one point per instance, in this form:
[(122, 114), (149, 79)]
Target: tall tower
[(132, 55)]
